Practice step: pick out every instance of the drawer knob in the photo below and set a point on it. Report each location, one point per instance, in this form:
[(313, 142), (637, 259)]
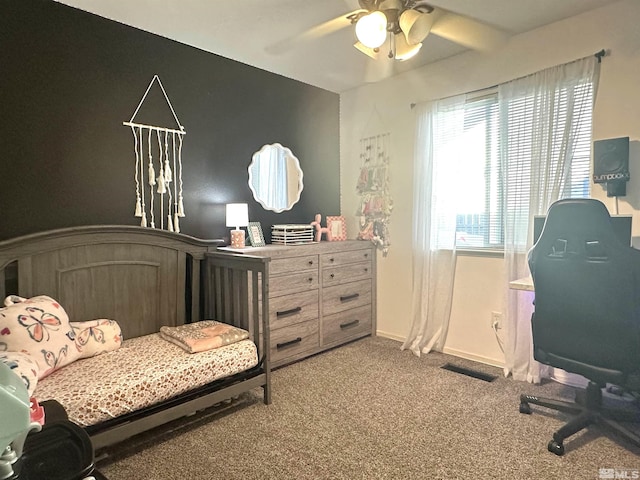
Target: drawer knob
[(366, 269), (346, 298), (284, 313), (310, 279), (366, 255), (289, 343), (352, 323), (332, 275), (332, 259), (310, 262)]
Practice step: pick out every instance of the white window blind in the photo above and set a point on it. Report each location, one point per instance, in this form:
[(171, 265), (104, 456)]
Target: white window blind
[(473, 168), (547, 138)]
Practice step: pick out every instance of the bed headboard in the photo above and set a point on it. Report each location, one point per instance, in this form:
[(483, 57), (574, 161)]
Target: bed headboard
[(143, 278)]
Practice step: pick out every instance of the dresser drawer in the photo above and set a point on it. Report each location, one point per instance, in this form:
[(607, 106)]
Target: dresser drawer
[(293, 340), (343, 297), (293, 282), (341, 258), (342, 326), (293, 264), (295, 308), (346, 273)]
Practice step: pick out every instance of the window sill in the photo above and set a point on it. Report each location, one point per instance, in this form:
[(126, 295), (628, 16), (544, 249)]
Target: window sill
[(485, 252)]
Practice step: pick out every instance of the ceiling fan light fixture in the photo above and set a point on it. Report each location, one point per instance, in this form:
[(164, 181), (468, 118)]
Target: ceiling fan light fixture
[(371, 29), (415, 25), (404, 50)]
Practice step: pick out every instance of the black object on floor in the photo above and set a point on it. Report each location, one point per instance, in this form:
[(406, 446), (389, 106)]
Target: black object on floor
[(60, 451), (53, 411), (469, 372)]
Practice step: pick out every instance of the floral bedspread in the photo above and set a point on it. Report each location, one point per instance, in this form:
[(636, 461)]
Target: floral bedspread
[(143, 371)]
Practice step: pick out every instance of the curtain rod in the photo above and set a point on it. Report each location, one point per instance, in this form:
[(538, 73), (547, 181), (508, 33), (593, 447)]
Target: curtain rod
[(598, 55)]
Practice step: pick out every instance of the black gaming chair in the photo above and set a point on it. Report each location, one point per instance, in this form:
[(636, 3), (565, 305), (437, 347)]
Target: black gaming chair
[(587, 315)]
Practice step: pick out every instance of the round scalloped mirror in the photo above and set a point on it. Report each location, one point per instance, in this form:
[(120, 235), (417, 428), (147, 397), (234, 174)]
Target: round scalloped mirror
[(275, 178)]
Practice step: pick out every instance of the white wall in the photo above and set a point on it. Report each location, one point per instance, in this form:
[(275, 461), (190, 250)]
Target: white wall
[(385, 106)]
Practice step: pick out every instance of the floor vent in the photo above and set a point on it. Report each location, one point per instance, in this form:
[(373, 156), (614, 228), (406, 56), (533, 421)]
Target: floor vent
[(469, 372)]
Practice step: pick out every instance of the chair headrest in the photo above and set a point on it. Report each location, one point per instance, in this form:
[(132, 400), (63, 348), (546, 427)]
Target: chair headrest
[(582, 224)]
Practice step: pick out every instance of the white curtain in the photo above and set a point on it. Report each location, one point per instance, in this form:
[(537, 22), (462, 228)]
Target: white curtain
[(541, 117), (440, 125)]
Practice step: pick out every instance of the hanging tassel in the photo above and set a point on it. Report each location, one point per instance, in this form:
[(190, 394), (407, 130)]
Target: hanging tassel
[(138, 212), (160, 180), (143, 223), (180, 207), (176, 223), (169, 223), (152, 175), (161, 187), (167, 172)]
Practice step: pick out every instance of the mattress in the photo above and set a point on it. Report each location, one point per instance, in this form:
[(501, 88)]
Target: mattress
[(142, 372)]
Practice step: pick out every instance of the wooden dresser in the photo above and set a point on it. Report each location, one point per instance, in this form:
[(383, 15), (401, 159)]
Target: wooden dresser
[(320, 295)]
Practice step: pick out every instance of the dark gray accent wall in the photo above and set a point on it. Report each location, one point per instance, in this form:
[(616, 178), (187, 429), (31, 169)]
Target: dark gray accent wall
[(68, 79)]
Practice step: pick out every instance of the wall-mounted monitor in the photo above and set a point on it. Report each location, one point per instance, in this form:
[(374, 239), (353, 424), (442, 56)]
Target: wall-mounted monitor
[(621, 226)]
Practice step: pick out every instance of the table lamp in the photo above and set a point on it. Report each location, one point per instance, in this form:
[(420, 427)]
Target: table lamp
[(237, 216)]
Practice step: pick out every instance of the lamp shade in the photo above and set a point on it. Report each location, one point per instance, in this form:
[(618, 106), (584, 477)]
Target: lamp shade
[(415, 25), (405, 51), (237, 215), (371, 29)]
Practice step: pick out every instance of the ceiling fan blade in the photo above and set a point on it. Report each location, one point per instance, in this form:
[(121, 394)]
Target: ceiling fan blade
[(467, 32), (321, 30)]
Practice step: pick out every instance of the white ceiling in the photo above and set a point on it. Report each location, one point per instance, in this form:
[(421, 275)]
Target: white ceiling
[(251, 31)]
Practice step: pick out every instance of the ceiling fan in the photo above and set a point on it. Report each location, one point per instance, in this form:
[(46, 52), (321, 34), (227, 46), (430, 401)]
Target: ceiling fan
[(403, 25)]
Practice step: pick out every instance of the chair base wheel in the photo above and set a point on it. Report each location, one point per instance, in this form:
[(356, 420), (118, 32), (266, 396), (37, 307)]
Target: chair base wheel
[(525, 408), (555, 447)]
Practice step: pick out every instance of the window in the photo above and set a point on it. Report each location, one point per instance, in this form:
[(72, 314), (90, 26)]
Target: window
[(479, 212), (488, 128)]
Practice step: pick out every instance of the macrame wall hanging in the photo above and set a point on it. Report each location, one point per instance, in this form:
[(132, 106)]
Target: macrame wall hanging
[(373, 186), (166, 144)]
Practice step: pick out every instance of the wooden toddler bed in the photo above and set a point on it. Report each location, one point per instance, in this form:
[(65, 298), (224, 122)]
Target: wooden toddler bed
[(143, 279)]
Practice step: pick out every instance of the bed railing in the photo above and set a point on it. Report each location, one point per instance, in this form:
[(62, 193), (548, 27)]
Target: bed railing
[(236, 291)]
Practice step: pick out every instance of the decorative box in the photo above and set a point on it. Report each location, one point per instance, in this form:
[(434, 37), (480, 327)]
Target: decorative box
[(292, 234)]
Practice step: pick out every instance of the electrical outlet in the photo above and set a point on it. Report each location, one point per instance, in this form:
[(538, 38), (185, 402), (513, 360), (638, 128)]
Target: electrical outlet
[(496, 320)]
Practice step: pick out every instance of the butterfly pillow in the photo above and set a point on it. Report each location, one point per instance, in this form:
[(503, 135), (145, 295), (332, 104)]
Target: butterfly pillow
[(94, 337), (40, 327), (22, 365)]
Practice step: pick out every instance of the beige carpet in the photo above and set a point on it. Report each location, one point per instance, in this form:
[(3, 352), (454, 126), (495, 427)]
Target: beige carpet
[(370, 411)]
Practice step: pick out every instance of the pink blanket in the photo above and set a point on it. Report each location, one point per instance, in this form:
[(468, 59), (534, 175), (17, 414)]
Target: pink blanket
[(204, 335)]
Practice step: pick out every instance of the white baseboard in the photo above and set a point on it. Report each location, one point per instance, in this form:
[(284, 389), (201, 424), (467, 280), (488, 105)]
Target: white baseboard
[(476, 358), (391, 336), (450, 351)]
